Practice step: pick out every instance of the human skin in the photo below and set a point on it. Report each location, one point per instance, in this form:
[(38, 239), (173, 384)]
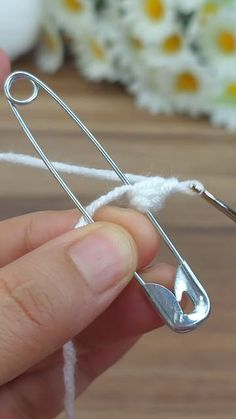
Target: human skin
[(4, 66), (58, 284)]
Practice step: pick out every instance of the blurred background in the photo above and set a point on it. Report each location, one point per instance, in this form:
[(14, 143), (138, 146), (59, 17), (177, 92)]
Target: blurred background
[(132, 73)]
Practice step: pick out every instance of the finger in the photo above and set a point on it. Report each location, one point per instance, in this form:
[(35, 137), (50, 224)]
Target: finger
[(4, 67), (137, 224), (130, 315), (54, 292), (44, 392), (21, 235)]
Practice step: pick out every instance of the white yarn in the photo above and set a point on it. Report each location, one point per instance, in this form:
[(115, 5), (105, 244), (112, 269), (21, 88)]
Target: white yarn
[(145, 193), (69, 355), (24, 159)]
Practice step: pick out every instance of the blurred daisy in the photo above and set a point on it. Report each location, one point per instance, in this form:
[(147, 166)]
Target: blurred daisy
[(212, 8), (172, 47), (149, 20), (189, 84), (147, 88), (107, 9), (107, 14), (224, 101), (128, 52), (217, 40), (224, 117), (208, 9), (173, 55), (93, 56), (50, 51), (69, 14)]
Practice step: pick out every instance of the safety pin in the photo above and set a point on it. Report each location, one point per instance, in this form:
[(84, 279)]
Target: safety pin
[(165, 301)]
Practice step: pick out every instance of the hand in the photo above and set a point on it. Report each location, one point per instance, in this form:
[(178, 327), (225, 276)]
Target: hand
[(4, 67), (57, 284)]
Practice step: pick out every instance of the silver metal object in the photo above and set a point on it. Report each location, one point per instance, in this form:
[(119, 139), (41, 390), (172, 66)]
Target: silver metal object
[(166, 302), (217, 203)]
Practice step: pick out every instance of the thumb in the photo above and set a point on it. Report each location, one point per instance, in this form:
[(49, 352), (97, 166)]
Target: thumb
[(49, 295)]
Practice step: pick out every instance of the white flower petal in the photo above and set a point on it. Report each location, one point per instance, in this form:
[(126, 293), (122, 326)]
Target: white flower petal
[(216, 38), (71, 14), (93, 55), (189, 85), (189, 6), (147, 88), (50, 51), (149, 20), (224, 99)]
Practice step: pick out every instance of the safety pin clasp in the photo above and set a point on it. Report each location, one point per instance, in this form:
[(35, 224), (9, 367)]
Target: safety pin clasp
[(166, 302)]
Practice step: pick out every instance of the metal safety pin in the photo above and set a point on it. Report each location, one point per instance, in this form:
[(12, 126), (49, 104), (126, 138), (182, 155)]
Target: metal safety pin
[(166, 302)]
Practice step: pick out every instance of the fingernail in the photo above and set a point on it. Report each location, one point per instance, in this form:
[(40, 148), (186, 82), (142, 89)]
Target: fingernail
[(104, 258)]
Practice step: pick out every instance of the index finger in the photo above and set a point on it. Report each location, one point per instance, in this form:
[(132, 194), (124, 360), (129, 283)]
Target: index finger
[(23, 234)]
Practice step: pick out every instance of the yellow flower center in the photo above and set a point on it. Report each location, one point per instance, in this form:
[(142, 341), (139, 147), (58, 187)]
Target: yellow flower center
[(187, 82), (155, 9), (74, 5), (210, 8), (172, 44), (97, 49), (227, 42), (136, 43), (231, 90), (49, 41)]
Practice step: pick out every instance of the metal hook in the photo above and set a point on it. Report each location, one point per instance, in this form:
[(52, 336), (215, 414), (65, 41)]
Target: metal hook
[(217, 203), (165, 301)]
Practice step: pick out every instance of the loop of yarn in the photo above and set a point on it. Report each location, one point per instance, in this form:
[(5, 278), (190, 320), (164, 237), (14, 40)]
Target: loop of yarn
[(145, 193), (151, 193)]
